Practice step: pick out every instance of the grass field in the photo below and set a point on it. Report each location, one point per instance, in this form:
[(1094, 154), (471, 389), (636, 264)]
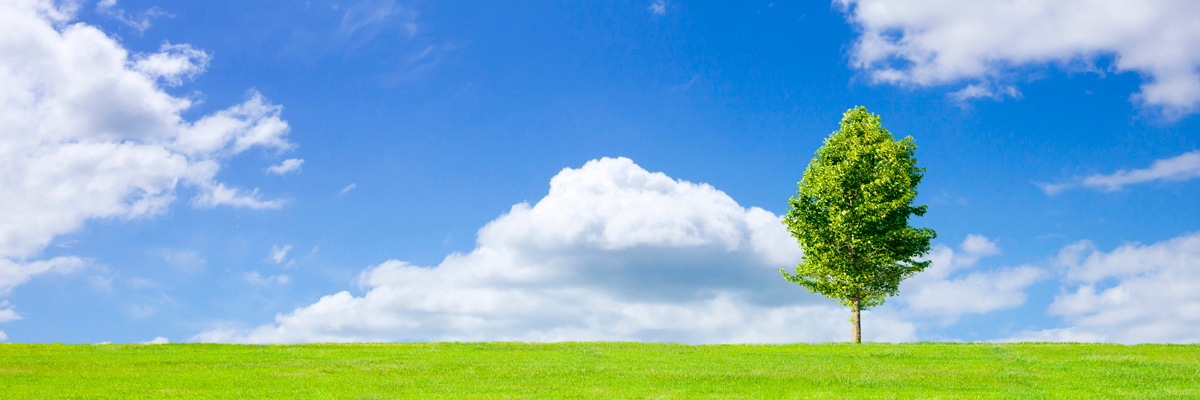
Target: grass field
[(600, 370)]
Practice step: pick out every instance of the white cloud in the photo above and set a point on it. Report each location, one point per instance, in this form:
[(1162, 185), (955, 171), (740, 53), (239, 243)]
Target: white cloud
[(977, 293), (985, 91), (8, 314), (14, 273), (348, 188), (218, 195), (87, 132), (157, 340), (658, 7), (925, 42), (935, 292), (172, 63), (289, 165), (1133, 294), (3, 336), (279, 253), (140, 22), (613, 252), (373, 14), (257, 279), (1179, 168)]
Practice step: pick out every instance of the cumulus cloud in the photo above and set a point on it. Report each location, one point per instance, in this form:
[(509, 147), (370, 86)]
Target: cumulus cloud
[(921, 42), (289, 165), (172, 63), (1179, 168), (942, 291), (8, 313), (612, 252), (87, 131), (1133, 294)]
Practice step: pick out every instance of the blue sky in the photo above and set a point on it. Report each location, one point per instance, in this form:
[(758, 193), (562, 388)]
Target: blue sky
[(560, 171)]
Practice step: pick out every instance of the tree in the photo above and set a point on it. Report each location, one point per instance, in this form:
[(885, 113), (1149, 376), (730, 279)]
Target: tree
[(850, 215)]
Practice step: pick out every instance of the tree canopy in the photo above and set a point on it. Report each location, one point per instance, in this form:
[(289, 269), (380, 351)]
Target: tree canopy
[(850, 216)]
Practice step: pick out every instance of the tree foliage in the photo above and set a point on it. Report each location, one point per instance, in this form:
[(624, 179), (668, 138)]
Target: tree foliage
[(850, 215)]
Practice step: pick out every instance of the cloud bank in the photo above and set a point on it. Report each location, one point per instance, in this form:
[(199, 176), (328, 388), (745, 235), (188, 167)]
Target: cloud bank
[(87, 132), (612, 252), (1133, 294), (951, 288), (922, 42)]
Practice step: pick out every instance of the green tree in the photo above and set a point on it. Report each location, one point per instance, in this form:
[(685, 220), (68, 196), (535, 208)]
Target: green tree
[(850, 215)]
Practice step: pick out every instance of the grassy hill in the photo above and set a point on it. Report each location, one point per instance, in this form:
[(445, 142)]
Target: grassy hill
[(600, 370)]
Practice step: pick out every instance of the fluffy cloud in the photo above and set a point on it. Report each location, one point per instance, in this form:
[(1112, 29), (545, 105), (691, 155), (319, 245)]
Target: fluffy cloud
[(942, 291), (8, 314), (1134, 294), (157, 340), (1179, 168), (612, 252), (87, 132), (926, 42), (172, 63)]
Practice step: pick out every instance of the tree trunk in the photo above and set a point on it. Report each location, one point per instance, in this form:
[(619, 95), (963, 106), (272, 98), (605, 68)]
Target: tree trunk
[(856, 331)]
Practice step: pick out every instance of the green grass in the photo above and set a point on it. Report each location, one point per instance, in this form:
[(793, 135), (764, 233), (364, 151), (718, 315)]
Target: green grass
[(600, 371)]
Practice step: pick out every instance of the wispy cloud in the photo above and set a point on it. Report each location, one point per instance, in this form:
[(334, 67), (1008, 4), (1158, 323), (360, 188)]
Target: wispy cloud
[(220, 195), (348, 188), (1179, 168), (258, 279), (985, 91), (139, 22), (289, 165), (374, 13), (184, 260), (279, 253), (688, 84), (659, 7)]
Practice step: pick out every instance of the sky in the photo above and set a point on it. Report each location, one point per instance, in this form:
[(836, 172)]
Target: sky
[(376, 170)]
